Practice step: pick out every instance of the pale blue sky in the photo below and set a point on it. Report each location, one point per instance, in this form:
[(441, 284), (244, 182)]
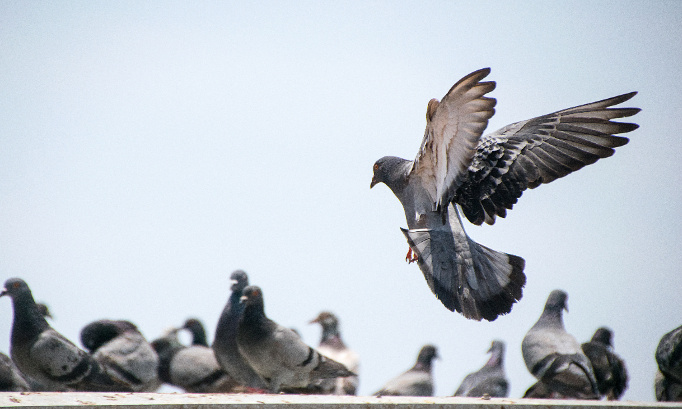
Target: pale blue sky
[(149, 149)]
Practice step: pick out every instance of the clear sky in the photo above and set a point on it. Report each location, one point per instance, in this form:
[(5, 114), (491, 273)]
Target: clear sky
[(149, 149)]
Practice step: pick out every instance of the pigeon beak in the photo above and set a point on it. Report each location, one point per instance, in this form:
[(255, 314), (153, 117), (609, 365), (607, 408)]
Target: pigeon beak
[(566, 307), (243, 299), (374, 182), (4, 292)]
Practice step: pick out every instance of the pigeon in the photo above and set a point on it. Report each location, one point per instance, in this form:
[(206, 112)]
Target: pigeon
[(124, 353), (11, 380), (276, 353), (193, 368), (554, 356), (485, 176), (196, 328), (668, 382), (332, 346), (416, 381), (490, 380), (46, 356), (609, 368), (225, 342)]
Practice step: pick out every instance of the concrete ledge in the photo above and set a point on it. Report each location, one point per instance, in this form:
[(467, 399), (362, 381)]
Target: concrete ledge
[(59, 400)]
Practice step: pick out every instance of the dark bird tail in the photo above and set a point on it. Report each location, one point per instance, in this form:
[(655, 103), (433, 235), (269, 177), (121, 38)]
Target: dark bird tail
[(466, 277)]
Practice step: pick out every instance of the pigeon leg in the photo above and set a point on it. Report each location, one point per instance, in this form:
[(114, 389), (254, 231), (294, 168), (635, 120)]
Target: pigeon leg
[(411, 257)]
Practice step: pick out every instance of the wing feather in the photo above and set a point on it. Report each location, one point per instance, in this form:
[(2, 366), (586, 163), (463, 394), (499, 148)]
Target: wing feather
[(526, 154), (453, 129)]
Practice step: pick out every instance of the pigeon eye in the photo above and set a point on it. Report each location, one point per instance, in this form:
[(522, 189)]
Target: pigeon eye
[(376, 166)]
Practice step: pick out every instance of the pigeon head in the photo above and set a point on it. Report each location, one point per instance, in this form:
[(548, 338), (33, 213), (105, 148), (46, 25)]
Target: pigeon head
[(44, 310), (426, 355), (557, 301), (196, 328), (387, 170), (15, 287), (252, 295), (239, 280), (497, 353), (496, 345), (603, 335), (98, 333), (326, 319)]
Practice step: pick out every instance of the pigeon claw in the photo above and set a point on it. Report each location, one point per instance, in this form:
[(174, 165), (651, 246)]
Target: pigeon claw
[(411, 256)]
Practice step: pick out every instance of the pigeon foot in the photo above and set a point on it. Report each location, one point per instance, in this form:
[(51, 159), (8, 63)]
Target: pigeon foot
[(411, 257)]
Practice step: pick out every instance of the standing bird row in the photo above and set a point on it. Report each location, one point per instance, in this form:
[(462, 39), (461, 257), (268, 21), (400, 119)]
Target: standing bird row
[(485, 176)]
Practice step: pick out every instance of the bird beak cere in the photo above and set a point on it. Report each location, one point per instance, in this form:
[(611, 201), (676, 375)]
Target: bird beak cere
[(243, 299)]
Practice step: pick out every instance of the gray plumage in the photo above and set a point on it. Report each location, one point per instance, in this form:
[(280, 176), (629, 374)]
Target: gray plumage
[(490, 380), (485, 175), (276, 353), (193, 368), (225, 342), (609, 369), (44, 355), (124, 353), (668, 382), (332, 346), (11, 379), (416, 381), (554, 356)]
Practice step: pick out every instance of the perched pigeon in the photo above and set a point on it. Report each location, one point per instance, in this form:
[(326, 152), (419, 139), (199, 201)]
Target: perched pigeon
[(554, 357), (609, 368), (196, 328), (193, 368), (416, 381), (276, 353), (490, 379), (11, 380), (669, 359), (124, 353), (332, 346), (485, 176), (225, 342), (44, 355)]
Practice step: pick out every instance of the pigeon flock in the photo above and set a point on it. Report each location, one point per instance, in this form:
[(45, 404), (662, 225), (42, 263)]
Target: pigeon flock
[(455, 166), (253, 354)]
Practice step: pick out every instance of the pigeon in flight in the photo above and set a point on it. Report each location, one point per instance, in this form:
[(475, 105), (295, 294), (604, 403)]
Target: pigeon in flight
[(225, 343), (485, 176), (46, 356), (332, 346), (416, 381), (276, 353), (124, 353), (490, 379), (554, 356), (609, 368), (668, 382)]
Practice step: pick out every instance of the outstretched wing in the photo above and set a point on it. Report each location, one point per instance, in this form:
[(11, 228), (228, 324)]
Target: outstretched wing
[(529, 153), (453, 129)]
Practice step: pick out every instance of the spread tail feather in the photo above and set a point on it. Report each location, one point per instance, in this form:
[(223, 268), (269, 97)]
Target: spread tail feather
[(466, 277)]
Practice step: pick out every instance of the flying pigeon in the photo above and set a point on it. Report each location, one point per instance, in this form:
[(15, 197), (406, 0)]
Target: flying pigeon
[(485, 176), (225, 342), (196, 328), (46, 356), (193, 368), (416, 381), (609, 368), (11, 380), (124, 353), (276, 353), (332, 346), (554, 356), (490, 380), (668, 382)]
